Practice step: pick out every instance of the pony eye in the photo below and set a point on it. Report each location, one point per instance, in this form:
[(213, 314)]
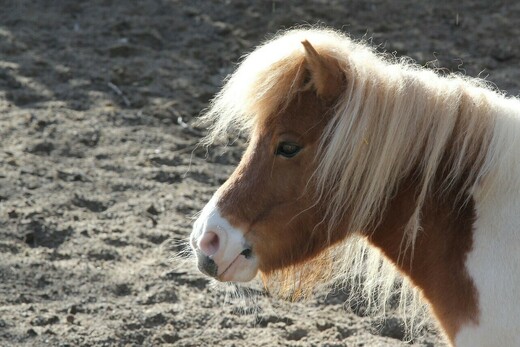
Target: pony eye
[(287, 149)]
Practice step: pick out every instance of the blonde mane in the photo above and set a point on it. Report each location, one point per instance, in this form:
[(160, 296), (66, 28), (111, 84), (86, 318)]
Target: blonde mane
[(394, 119)]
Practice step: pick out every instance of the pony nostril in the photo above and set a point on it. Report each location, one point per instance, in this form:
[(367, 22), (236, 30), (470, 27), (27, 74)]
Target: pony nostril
[(209, 243)]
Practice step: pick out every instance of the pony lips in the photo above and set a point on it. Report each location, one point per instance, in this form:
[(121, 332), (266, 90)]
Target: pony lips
[(231, 273), (208, 266)]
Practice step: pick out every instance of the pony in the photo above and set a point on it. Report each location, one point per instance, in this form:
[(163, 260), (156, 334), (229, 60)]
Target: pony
[(363, 166)]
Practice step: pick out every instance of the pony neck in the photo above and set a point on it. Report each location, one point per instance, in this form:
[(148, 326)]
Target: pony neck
[(437, 265)]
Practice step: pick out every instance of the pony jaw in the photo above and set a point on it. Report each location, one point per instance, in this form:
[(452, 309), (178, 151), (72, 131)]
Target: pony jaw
[(221, 249)]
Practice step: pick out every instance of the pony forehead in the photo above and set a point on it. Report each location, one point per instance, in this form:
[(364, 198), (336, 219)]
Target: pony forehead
[(269, 77)]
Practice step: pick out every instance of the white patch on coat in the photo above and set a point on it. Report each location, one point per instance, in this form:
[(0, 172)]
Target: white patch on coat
[(494, 262), (231, 243)]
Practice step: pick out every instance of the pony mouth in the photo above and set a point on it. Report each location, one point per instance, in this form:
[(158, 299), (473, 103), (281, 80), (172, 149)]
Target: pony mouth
[(235, 270), (247, 253)]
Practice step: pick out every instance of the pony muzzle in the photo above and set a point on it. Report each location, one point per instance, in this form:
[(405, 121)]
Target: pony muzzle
[(222, 251)]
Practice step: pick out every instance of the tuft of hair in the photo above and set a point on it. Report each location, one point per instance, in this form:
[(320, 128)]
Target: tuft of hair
[(178, 253), (373, 284), (239, 298), (393, 119)]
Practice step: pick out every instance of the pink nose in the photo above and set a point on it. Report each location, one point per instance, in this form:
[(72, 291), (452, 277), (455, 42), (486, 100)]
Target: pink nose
[(209, 243)]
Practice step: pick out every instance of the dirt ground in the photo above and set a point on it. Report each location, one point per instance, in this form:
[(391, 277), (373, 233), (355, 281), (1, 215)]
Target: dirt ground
[(98, 169)]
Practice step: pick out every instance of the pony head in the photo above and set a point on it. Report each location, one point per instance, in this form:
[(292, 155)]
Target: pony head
[(265, 216)]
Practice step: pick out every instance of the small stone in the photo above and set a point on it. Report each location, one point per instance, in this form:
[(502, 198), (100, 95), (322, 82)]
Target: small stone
[(154, 320), (152, 210), (323, 325), (122, 289), (42, 321), (31, 332), (170, 338), (394, 328), (297, 334)]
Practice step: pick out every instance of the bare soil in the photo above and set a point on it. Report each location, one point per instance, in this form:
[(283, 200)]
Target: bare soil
[(98, 168)]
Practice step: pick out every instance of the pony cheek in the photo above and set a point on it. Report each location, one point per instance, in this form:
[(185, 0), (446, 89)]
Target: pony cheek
[(267, 248), (275, 247)]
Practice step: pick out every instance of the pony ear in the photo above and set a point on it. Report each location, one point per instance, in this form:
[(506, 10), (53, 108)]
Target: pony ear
[(326, 75)]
